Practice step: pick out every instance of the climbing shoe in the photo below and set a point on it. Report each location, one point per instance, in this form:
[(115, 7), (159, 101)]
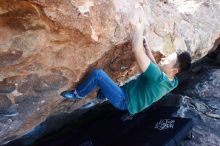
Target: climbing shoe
[(69, 95)]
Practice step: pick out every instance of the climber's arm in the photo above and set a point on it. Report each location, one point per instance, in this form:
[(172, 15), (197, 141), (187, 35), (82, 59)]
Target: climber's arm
[(137, 47), (148, 52)]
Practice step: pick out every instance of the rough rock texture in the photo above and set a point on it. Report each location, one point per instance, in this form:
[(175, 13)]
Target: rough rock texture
[(200, 94), (47, 46)]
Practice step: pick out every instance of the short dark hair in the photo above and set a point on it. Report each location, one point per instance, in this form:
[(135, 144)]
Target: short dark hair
[(184, 61)]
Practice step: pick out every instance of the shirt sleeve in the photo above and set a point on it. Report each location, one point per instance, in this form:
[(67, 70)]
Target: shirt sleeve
[(153, 72)]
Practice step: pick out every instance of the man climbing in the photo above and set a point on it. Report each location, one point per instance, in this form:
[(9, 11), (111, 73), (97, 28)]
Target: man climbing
[(155, 80)]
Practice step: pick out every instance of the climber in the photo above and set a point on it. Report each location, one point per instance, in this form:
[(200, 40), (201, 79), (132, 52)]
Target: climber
[(155, 80)]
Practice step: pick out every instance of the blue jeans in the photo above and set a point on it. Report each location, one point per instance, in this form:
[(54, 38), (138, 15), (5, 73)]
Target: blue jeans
[(108, 88)]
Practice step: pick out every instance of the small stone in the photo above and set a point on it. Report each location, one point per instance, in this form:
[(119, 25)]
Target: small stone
[(9, 120), (42, 101)]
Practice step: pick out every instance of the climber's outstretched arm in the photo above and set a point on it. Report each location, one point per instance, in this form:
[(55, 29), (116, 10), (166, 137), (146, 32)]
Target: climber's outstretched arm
[(137, 43), (148, 51)]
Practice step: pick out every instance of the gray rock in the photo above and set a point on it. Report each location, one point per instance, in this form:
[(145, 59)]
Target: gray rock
[(10, 57), (4, 102), (49, 82), (22, 98), (25, 85), (201, 96), (7, 88)]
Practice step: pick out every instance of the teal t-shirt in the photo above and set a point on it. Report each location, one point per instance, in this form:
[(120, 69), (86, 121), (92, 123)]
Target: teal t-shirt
[(149, 87)]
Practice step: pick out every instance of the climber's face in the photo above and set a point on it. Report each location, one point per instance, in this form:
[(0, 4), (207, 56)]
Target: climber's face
[(169, 64)]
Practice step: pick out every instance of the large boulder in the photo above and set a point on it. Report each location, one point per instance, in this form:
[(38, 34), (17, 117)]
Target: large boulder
[(48, 46)]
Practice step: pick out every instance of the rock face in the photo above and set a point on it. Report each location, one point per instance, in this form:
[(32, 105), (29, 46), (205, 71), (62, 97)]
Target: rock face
[(200, 94), (48, 46)]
